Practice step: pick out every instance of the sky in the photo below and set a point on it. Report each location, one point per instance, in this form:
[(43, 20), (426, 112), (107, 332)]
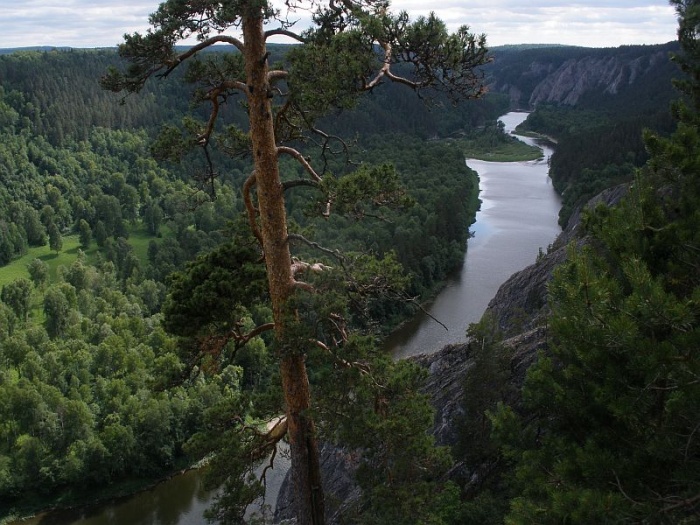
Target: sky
[(595, 23)]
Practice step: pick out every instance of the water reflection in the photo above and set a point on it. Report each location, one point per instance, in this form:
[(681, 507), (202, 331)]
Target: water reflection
[(518, 215), (181, 500)]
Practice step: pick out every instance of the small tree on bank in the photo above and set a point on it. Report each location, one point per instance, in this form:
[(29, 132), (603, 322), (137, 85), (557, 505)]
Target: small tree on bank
[(352, 47)]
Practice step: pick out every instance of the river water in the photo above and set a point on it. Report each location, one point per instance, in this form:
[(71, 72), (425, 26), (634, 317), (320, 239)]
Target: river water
[(518, 216)]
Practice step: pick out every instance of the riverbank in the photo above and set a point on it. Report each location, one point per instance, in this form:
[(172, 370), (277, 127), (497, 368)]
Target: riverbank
[(32, 508), (517, 217), (510, 150), (182, 501)]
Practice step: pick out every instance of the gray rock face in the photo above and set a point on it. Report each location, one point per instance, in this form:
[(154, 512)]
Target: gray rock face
[(338, 466), (575, 77), (564, 77), (520, 304), (520, 309)]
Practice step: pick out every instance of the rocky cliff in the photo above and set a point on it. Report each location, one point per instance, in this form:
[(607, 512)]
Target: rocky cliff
[(565, 75), (519, 311)]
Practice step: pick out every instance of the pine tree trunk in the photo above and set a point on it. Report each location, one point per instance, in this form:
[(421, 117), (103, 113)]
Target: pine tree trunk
[(305, 470)]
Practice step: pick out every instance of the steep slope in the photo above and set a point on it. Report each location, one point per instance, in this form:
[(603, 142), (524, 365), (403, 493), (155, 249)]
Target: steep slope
[(566, 75)]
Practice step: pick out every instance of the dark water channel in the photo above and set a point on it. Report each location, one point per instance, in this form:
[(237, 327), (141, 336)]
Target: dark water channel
[(518, 216)]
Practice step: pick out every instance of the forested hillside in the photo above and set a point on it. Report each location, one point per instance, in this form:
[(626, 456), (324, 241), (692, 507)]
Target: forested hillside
[(595, 103), (93, 390), (605, 427), (95, 219)]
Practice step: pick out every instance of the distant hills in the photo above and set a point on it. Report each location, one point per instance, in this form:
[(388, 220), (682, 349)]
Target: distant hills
[(533, 75)]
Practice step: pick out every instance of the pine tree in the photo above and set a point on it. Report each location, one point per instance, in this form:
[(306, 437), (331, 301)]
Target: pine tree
[(612, 435), (352, 47)]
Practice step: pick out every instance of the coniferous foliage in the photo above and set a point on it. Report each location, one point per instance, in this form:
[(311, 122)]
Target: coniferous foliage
[(612, 431), (352, 48)]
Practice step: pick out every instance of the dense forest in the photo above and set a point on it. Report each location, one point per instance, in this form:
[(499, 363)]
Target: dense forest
[(101, 381), (598, 130), (92, 226)]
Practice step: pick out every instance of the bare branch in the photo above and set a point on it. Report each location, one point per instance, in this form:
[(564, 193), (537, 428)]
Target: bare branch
[(285, 32), (413, 301), (302, 266), (362, 367), (213, 96), (199, 47), (324, 144), (299, 182), (235, 84), (243, 339), (334, 253), (215, 344), (276, 75), (682, 503), (622, 491), (303, 286), (277, 429), (301, 159), (250, 207), (385, 71)]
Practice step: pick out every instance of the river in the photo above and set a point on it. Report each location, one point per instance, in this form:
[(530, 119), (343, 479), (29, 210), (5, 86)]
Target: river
[(518, 216)]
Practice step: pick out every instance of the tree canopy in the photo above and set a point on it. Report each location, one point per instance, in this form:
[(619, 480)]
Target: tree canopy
[(608, 433), (352, 47)]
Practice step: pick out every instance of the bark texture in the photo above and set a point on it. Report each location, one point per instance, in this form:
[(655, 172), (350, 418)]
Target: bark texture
[(305, 471)]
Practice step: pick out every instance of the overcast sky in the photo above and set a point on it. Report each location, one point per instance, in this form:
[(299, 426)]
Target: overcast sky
[(594, 23)]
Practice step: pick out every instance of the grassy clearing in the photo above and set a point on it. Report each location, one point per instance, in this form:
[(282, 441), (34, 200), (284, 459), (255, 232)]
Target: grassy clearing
[(514, 151), (138, 238), (69, 253)]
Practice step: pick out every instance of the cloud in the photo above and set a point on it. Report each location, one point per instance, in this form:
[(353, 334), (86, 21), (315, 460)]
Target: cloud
[(593, 23), (71, 22), (102, 23)]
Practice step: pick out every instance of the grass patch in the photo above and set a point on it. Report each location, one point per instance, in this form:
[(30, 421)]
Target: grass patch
[(139, 239), (66, 257), (511, 151)]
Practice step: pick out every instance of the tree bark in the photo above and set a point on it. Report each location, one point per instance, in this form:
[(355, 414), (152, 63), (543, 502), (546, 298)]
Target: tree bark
[(305, 468)]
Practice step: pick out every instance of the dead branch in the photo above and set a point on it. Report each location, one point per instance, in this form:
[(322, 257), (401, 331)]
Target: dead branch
[(250, 208), (301, 159), (682, 503), (199, 47), (270, 465), (302, 266), (244, 338), (413, 301), (334, 253), (285, 32), (385, 71), (299, 182), (362, 367), (324, 144), (275, 75), (276, 430), (214, 344), (303, 286)]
